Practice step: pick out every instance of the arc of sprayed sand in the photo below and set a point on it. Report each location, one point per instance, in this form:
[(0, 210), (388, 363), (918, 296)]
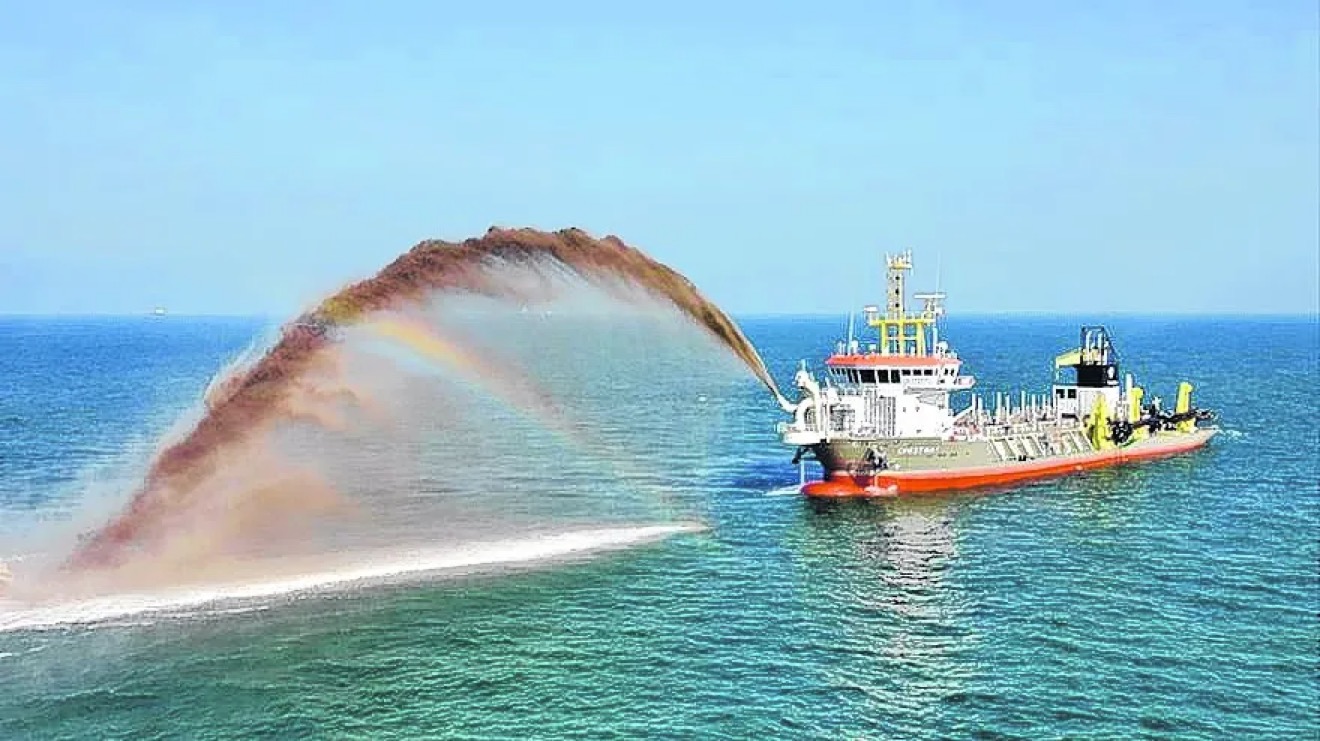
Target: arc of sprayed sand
[(254, 400)]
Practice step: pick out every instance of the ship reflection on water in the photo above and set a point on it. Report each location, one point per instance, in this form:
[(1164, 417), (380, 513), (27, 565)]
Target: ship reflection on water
[(914, 547), (881, 569)]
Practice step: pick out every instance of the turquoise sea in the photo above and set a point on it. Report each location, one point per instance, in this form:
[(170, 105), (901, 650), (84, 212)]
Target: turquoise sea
[(1171, 600)]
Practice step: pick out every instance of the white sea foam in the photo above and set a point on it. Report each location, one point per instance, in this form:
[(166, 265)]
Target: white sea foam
[(368, 568)]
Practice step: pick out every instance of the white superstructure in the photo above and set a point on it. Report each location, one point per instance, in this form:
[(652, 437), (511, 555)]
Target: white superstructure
[(896, 386)]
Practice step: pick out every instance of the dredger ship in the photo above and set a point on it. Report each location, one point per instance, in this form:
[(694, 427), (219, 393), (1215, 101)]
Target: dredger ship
[(882, 422)]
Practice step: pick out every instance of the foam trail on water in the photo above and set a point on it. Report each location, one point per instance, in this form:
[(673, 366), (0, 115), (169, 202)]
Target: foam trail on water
[(385, 566)]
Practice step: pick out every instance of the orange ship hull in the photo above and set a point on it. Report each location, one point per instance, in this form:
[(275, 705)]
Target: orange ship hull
[(843, 485)]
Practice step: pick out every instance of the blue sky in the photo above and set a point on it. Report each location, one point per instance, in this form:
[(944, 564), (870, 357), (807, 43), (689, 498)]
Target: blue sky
[(247, 157)]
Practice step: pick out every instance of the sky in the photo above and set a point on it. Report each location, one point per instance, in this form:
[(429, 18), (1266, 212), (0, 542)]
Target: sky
[(247, 157)]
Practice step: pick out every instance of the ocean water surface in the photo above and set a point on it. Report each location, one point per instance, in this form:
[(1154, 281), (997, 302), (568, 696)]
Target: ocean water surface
[(1175, 599)]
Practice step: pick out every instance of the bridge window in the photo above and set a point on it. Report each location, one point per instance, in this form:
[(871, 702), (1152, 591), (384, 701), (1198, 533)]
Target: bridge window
[(868, 376)]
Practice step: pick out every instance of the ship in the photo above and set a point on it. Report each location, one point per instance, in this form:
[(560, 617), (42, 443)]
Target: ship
[(895, 414)]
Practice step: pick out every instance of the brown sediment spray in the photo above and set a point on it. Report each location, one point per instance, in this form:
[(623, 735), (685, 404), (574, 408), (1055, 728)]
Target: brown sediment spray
[(267, 391)]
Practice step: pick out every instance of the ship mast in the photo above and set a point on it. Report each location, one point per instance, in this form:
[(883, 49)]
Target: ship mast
[(901, 332)]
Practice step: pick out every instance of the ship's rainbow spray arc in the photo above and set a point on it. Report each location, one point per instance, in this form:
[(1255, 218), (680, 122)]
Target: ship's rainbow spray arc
[(428, 343), (502, 379), (450, 354), (300, 365)]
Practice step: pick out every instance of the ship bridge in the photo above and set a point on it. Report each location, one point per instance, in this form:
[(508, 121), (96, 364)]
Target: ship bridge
[(907, 351), (928, 372)]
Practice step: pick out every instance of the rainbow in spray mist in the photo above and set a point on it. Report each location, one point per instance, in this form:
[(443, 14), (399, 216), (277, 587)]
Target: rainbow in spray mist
[(298, 378), (501, 377), (498, 377)]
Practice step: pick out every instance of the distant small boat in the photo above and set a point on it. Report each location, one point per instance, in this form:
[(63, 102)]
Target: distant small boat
[(158, 311)]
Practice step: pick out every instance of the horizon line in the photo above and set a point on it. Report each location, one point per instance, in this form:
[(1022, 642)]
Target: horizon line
[(1313, 313)]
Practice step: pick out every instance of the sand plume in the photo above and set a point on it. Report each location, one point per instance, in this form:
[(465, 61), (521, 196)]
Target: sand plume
[(298, 379)]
